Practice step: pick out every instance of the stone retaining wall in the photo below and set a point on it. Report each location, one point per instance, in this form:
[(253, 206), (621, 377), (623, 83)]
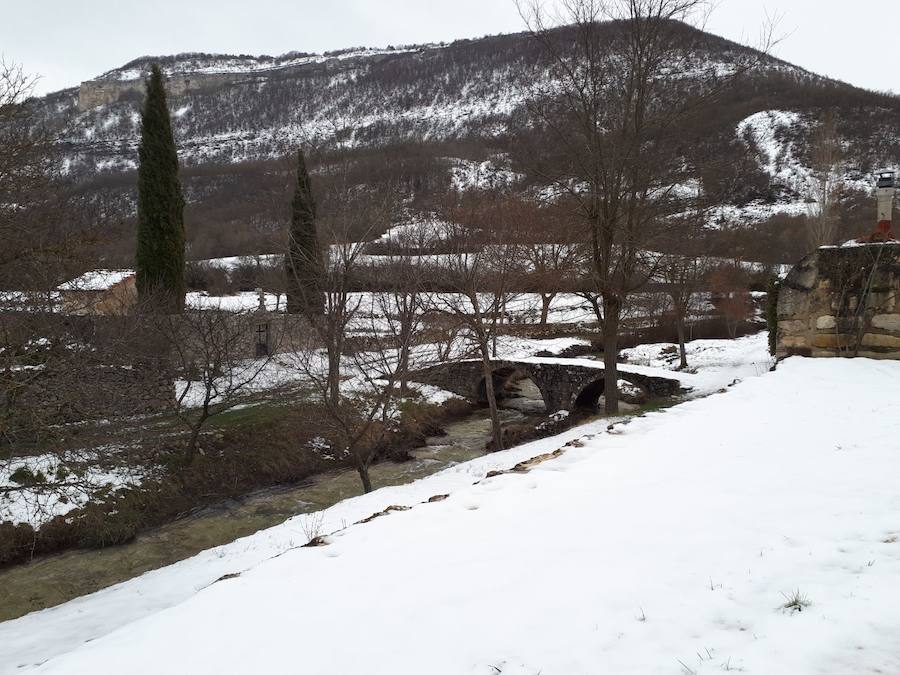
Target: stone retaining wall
[(842, 302)]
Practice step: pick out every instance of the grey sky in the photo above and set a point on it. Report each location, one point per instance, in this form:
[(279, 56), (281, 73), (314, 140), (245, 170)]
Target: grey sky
[(66, 41)]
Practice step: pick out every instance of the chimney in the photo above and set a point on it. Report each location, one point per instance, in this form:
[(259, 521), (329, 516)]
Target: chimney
[(884, 191)]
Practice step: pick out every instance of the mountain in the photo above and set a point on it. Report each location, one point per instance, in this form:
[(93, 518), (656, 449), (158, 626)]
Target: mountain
[(434, 117)]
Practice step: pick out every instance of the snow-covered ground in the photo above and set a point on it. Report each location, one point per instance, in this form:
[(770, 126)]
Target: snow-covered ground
[(97, 280), (69, 489), (245, 301), (642, 451), (670, 545), (521, 308)]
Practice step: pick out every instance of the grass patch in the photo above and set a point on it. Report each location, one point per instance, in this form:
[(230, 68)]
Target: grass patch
[(795, 602)]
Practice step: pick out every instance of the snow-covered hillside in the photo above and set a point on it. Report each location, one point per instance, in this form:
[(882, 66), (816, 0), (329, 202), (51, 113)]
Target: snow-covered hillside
[(427, 119), (775, 138), (751, 531), (239, 108)]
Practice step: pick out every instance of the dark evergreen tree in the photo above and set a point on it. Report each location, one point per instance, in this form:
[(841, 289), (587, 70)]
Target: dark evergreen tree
[(159, 261), (303, 263)]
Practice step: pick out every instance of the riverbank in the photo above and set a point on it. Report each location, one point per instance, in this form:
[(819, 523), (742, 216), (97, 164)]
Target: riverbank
[(249, 449), (459, 433), (129, 475)]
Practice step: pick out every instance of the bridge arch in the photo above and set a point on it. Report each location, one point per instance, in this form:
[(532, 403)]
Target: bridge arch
[(506, 380), (588, 398), (563, 385)]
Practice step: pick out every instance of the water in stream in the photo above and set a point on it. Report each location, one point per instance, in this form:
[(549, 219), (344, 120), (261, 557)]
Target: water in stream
[(55, 579)]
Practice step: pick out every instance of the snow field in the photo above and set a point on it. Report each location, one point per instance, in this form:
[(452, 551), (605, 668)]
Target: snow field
[(664, 547), (43, 635)]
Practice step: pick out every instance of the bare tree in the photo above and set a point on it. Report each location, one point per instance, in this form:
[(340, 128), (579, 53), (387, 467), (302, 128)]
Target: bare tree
[(548, 246), (683, 276), (614, 97), (825, 185), (729, 286), (404, 307), (359, 410), (37, 346), (25, 164), (217, 357), (684, 270), (480, 272)]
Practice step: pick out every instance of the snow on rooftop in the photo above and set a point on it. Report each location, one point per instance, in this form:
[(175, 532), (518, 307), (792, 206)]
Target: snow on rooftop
[(96, 280)]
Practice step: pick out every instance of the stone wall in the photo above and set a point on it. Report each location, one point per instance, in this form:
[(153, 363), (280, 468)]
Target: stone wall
[(62, 395), (842, 301)]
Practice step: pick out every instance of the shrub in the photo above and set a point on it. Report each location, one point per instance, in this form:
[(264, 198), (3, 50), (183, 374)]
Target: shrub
[(26, 477), (15, 541)]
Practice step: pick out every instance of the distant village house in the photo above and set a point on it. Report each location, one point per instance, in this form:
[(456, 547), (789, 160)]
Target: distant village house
[(101, 292)]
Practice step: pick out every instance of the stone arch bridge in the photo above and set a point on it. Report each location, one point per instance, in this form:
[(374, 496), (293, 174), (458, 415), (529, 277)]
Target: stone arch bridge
[(563, 385)]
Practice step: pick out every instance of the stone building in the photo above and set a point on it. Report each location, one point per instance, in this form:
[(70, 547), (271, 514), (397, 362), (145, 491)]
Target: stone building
[(99, 293), (842, 301), (264, 331)]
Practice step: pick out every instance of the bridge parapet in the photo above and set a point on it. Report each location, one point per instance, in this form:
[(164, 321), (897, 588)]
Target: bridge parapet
[(560, 383)]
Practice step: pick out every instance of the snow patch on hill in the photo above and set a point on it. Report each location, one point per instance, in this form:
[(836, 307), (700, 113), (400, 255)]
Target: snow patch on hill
[(767, 129), (469, 175)]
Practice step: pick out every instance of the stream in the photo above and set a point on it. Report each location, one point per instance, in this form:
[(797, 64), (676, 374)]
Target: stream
[(58, 578)]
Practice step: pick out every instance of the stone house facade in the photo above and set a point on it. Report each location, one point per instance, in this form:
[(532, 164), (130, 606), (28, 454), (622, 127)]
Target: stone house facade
[(99, 293), (842, 301)]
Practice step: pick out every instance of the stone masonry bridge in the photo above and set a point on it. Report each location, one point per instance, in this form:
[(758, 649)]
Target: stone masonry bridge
[(565, 384)]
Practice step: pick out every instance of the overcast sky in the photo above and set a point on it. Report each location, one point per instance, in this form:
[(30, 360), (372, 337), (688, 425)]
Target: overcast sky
[(67, 41)]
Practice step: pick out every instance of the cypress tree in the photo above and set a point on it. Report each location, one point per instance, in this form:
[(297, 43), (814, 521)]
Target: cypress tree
[(159, 261), (303, 263)]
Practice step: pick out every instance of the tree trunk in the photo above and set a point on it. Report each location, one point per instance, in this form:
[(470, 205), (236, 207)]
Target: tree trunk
[(363, 470), (191, 450), (682, 351), (496, 429), (403, 370), (498, 321), (595, 305), (334, 375), (731, 326), (545, 307), (611, 310), (403, 358)]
